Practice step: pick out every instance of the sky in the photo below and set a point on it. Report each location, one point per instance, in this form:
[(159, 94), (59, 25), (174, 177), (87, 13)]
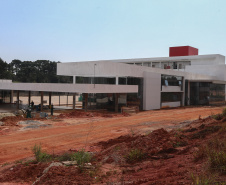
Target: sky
[(84, 30)]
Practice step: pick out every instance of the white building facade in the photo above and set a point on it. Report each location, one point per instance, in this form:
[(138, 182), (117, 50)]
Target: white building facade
[(184, 78)]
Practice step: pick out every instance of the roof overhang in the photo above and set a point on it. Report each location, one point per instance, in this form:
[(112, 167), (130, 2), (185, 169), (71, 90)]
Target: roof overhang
[(211, 81), (71, 88)]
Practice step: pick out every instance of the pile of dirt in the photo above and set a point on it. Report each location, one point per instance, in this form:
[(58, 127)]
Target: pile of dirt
[(23, 172), (65, 175), (12, 120), (158, 144), (165, 158), (82, 114)]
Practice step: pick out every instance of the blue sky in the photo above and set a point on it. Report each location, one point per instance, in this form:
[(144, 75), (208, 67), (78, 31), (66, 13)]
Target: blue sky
[(81, 30)]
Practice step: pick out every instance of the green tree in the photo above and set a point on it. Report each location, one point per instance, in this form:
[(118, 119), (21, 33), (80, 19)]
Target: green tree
[(4, 70)]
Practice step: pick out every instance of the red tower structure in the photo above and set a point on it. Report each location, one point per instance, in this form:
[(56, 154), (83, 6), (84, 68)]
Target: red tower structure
[(182, 51)]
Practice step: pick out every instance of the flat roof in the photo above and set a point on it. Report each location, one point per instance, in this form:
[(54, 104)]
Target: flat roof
[(157, 59)]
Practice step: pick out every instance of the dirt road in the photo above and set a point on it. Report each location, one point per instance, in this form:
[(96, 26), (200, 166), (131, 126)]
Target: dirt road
[(72, 133)]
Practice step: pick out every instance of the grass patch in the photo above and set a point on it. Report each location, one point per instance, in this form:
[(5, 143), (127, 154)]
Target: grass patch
[(217, 116), (81, 157), (217, 161), (215, 152), (202, 179), (40, 155), (134, 155)]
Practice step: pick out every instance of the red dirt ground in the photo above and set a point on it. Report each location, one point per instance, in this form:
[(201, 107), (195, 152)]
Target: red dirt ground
[(82, 132), (169, 155)]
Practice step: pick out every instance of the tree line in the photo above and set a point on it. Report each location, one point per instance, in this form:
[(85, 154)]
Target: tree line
[(39, 71)]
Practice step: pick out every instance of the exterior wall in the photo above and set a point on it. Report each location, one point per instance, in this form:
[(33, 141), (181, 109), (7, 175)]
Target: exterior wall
[(151, 91), (98, 69), (172, 104), (216, 60), (171, 88), (5, 81), (218, 70)]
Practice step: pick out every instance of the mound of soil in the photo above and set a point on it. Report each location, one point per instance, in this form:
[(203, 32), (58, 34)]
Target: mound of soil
[(23, 173), (157, 144), (167, 158), (12, 120), (82, 114)]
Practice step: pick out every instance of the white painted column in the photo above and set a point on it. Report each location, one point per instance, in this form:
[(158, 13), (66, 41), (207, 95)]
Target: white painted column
[(116, 80), (74, 79)]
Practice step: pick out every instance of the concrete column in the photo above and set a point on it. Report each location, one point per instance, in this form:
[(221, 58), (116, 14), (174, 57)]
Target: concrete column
[(41, 100), (189, 88), (74, 101), (116, 80), (50, 98), (116, 102), (59, 99), (17, 100), (67, 99), (11, 97), (74, 79), (85, 101), (29, 97)]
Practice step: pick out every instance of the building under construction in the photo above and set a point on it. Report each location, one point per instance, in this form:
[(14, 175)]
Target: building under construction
[(183, 78)]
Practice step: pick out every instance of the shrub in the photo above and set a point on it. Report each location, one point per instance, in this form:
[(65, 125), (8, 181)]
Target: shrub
[(224, 112), (65, 157), (81, 157), (40, 155), (217, 116), (134, 155)]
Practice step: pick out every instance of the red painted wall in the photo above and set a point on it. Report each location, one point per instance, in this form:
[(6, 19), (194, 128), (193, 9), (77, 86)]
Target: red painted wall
[(182, 51)]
